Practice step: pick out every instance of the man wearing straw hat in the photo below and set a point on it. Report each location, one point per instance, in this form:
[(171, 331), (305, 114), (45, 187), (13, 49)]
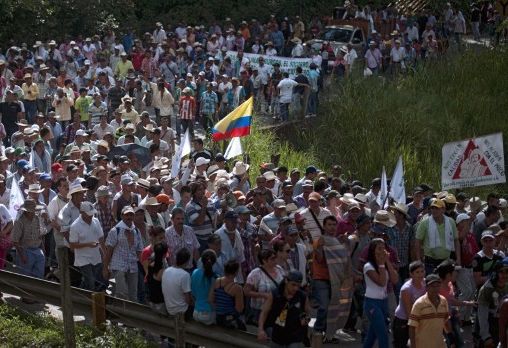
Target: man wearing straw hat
[(438, 236), (27, 239), (402, 238)]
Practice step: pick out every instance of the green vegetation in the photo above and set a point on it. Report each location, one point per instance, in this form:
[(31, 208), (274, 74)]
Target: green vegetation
[(22, 329), (367, 123)]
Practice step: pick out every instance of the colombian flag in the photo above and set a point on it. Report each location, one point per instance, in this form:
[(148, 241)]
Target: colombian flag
[(236, 123)]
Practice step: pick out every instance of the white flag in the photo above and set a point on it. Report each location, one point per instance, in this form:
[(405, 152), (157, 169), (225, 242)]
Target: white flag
[(183, 149), (185, 145), (381, 199), (16, 199), (234, 148), (397, 190)]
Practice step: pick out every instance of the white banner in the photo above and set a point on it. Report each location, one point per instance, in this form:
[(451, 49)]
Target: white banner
[(473, 162), (286, 64)]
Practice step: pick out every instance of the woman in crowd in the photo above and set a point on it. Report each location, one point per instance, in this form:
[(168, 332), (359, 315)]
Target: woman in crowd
[(201, 283), (262, 281), (227, 297), (378, 271), (412, 289), (155, 268), (282, 249)]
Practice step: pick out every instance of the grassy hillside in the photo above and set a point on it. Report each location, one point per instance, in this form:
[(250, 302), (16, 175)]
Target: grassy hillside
[(367, 123)]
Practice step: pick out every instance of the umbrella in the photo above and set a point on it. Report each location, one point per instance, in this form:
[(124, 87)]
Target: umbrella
[(141, 153)]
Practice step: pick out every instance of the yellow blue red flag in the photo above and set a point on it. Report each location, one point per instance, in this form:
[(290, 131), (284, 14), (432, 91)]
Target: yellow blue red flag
[(236, 123)]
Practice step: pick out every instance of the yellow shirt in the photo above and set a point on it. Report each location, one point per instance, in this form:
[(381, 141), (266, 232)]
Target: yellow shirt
[(33, 89), (122, 68), (429, 322)]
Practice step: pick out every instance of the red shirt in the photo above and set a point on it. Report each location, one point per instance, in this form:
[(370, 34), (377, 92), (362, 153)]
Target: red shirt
[(187, 107), (345, 226), (468, 249)]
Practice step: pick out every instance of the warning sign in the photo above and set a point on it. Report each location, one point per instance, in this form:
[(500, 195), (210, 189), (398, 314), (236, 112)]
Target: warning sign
[(473, 162)]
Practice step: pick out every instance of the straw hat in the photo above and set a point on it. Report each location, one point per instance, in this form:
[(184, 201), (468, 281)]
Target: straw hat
[(401, 207), (76, 188), (240, 168), (385, 218), (34, 188)]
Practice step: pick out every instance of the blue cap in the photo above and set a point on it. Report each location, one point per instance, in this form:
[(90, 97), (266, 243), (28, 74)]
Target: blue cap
[(45, 176), (22, 163)]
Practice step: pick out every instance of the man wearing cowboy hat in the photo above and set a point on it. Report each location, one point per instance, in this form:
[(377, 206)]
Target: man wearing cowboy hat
[(438, 236), (31, 93), (402, 238), (70, 211), (240, 178), (27, 239), (152, 216)]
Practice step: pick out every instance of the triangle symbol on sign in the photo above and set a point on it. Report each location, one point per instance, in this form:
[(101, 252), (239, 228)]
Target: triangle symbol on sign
[(472, 163)]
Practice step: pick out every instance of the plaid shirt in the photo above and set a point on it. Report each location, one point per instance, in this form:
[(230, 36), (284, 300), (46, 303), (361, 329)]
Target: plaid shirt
[(209, 103), (125, 256), (105, 217), (401, 241)]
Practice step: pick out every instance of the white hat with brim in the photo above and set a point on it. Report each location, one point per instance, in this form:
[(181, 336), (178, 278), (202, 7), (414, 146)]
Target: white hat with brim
[(76, 189), (34, 188), (240, 168), (385, 218), (401, 208)]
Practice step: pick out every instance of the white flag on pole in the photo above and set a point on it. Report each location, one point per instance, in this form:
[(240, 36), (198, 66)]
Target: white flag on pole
[(183, 149), (397, 189), (16, 199), (234, 148), (185, 145), (383, 192)]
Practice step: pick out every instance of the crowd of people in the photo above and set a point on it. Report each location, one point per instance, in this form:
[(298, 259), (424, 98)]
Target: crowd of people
[(222, 242)]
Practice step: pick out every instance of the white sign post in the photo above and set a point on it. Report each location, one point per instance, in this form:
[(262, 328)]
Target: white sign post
[(473, 162)]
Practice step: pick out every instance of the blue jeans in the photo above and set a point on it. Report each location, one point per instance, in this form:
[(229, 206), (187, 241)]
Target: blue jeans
[(284, 111), (35, 262), (321, 292), (91, 277), (30, 109), (377, 313)]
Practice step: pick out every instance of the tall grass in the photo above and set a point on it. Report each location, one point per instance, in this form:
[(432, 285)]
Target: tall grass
[(367, 123)]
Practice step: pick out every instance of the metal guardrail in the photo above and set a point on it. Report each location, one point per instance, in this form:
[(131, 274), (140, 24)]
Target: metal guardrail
[(129, 313)]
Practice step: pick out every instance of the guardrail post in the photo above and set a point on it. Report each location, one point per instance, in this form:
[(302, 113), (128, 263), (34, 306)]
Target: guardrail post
[(179, 330), (65, 287), (98, 309)]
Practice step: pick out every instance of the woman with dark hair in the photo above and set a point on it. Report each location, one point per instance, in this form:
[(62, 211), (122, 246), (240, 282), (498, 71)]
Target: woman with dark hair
[(262, 281), (201, 281), (227, 297), (377, 272), (281, 248), (155, 268), (410, 291), (446, 271), (285, 314)]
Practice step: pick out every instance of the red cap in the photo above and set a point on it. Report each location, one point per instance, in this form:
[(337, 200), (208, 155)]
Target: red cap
[(163, 198), (56, 168)]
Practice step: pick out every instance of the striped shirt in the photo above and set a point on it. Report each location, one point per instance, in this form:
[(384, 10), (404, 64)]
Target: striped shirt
[(429, 322), (192, 211), (187, 107)]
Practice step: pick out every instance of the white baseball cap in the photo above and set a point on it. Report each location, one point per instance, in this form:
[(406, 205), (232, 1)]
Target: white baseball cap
[(87, 208)]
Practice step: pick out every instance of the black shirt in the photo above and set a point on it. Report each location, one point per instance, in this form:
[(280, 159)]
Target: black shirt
[(301, 78), (9, 112), (285, 318)]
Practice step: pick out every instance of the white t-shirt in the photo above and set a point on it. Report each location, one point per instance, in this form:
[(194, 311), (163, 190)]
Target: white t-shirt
[(82, 233), (175, 284), (286, 89), (373, 290)]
